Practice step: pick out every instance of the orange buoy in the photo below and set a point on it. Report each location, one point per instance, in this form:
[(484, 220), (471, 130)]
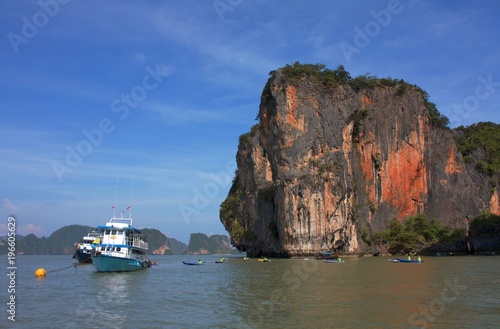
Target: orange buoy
[(40, 272)]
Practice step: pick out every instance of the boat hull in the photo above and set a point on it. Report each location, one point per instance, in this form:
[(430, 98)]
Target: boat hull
[(105, 263), (83, 257), (333, 261)]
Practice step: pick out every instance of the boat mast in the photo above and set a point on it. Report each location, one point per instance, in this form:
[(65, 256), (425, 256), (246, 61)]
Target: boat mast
[(131, 196)]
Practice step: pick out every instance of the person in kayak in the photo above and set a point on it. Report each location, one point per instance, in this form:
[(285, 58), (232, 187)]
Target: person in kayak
[(418, 258), (409, 258), (200, 262)]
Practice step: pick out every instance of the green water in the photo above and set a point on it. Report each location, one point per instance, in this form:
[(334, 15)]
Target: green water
[(443, 292)]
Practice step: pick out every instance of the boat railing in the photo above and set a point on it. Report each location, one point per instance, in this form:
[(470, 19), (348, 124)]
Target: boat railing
[(135, 241), (140, 244), (116, 220)]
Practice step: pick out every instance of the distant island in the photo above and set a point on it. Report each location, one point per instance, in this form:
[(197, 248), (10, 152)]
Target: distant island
[(62, 242)]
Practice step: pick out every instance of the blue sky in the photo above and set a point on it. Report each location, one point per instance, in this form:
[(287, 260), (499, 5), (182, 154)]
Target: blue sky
[(141, 103)]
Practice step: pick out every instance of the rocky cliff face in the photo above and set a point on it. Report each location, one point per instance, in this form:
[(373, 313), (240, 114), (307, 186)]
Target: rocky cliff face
[(328, 161)]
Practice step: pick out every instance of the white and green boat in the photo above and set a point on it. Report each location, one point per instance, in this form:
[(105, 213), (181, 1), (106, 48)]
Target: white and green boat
[(120, 247)]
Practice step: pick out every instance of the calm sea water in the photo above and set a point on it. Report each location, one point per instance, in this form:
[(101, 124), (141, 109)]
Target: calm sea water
[(446, 292)]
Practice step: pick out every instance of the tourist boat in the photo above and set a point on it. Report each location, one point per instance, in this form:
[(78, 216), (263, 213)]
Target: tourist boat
[(120, 247), (83, 253)]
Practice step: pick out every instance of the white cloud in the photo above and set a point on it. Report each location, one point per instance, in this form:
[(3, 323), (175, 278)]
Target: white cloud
[(139, 57), (26, 229), (9, 205)]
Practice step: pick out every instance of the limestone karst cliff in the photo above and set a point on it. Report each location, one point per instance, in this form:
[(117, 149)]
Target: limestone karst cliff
[(333, 156)]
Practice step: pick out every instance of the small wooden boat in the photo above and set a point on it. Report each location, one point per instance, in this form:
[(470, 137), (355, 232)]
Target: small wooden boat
[(326, 255), (443, 254), (192, 263), (402, 260)]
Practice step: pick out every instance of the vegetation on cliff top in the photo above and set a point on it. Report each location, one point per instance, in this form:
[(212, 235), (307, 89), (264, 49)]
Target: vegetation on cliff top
[(328, 77), (480, 146)]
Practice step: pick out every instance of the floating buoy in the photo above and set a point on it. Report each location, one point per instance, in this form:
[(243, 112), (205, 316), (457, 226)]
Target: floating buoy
[(40, 272)]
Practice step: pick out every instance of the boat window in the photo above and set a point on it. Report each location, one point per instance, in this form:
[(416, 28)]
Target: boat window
[(113, 232), (106, 232), (118, 249)]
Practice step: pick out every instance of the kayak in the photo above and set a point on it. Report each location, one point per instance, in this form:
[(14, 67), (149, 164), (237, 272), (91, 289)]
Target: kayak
[(333, 261), (393, 260), (402, 260), (263, 260), (443, 255), (219, 262), (191, 263)]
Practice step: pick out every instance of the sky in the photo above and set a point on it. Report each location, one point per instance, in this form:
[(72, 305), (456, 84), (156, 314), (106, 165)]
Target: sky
[(141, 103)]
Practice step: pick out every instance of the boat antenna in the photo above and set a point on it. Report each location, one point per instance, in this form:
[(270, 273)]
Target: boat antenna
[(116, 192)]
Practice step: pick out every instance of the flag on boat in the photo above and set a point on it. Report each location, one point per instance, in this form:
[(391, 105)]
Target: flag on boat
[(129, 207)]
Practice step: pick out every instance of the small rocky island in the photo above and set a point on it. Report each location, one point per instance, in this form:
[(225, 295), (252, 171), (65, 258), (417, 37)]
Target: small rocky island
[(359, 165)]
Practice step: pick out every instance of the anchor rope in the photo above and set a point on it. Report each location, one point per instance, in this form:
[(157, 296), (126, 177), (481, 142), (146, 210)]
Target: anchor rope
[(61, 269)]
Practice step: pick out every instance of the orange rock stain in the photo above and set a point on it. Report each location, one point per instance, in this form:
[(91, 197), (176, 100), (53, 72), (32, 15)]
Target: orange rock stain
[(495, 203)]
